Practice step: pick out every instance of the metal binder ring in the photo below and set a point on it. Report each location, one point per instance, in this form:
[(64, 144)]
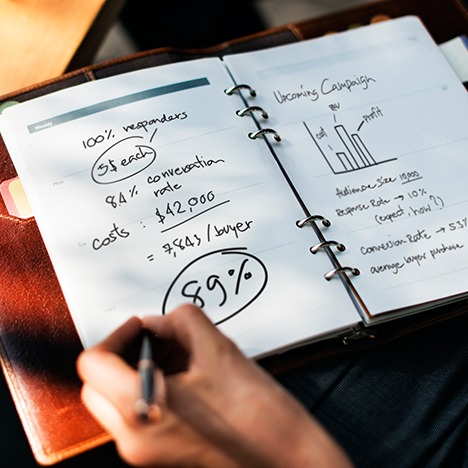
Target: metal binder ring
[(315, 248), (263, 131), (250, 109), (329, 275), (310, 219), (233, 89)]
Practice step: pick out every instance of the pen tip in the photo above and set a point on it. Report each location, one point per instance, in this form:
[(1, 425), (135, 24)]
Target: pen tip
[(146, 352)]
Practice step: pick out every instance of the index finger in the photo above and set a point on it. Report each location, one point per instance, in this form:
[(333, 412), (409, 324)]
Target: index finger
[(93, 363), (122, 338), (189, 327), (103, 367)]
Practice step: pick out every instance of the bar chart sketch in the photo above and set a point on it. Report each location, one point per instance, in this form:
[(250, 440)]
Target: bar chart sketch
[(351, 154)]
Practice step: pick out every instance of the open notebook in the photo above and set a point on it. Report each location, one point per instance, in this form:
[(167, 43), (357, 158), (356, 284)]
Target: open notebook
[(335, 194)]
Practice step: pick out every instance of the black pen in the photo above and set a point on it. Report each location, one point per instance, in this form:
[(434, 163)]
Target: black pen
[(146, 370)]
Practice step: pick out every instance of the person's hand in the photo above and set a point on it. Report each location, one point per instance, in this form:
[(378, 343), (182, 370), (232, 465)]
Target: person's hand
[(214, 407)]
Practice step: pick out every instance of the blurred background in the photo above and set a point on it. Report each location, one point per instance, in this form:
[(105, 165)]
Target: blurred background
[(148, 24)]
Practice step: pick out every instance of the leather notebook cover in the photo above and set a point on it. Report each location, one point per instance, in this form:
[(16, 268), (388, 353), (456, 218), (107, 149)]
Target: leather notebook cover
[(38, 341)]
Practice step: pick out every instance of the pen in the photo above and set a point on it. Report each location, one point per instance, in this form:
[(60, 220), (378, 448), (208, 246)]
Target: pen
[(146, 371)]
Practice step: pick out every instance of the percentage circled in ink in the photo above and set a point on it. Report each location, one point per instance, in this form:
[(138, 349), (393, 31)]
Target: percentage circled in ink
[(222, 283)]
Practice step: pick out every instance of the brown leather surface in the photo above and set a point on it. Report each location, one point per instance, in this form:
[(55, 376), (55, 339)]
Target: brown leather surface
[(39, 343)]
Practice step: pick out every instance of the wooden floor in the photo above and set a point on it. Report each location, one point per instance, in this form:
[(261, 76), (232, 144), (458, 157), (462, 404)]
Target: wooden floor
[(40, 38)]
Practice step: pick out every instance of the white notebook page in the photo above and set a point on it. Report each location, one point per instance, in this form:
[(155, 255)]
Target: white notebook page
[(148, 193), (374, 127)]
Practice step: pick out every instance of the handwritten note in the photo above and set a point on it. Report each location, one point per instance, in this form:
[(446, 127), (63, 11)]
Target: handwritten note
[(149, 193), (374, 135)]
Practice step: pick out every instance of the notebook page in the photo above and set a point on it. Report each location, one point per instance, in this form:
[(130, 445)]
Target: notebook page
[(374, 127), (148, 194)]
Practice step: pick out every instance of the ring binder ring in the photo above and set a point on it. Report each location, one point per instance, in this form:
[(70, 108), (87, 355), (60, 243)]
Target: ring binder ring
[(315, 248), (251, 109), (301, 223), (233, 89), (329, 275), (264, 131)]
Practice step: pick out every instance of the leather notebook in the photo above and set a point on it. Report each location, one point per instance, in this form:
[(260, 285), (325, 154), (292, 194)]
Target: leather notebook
[(38, 339)]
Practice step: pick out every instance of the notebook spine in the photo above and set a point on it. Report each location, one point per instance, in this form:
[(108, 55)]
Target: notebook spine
[(331, 247), (326, 245), (249, 110)]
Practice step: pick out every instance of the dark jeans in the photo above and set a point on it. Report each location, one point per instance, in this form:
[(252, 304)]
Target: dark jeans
[(402, 404)]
